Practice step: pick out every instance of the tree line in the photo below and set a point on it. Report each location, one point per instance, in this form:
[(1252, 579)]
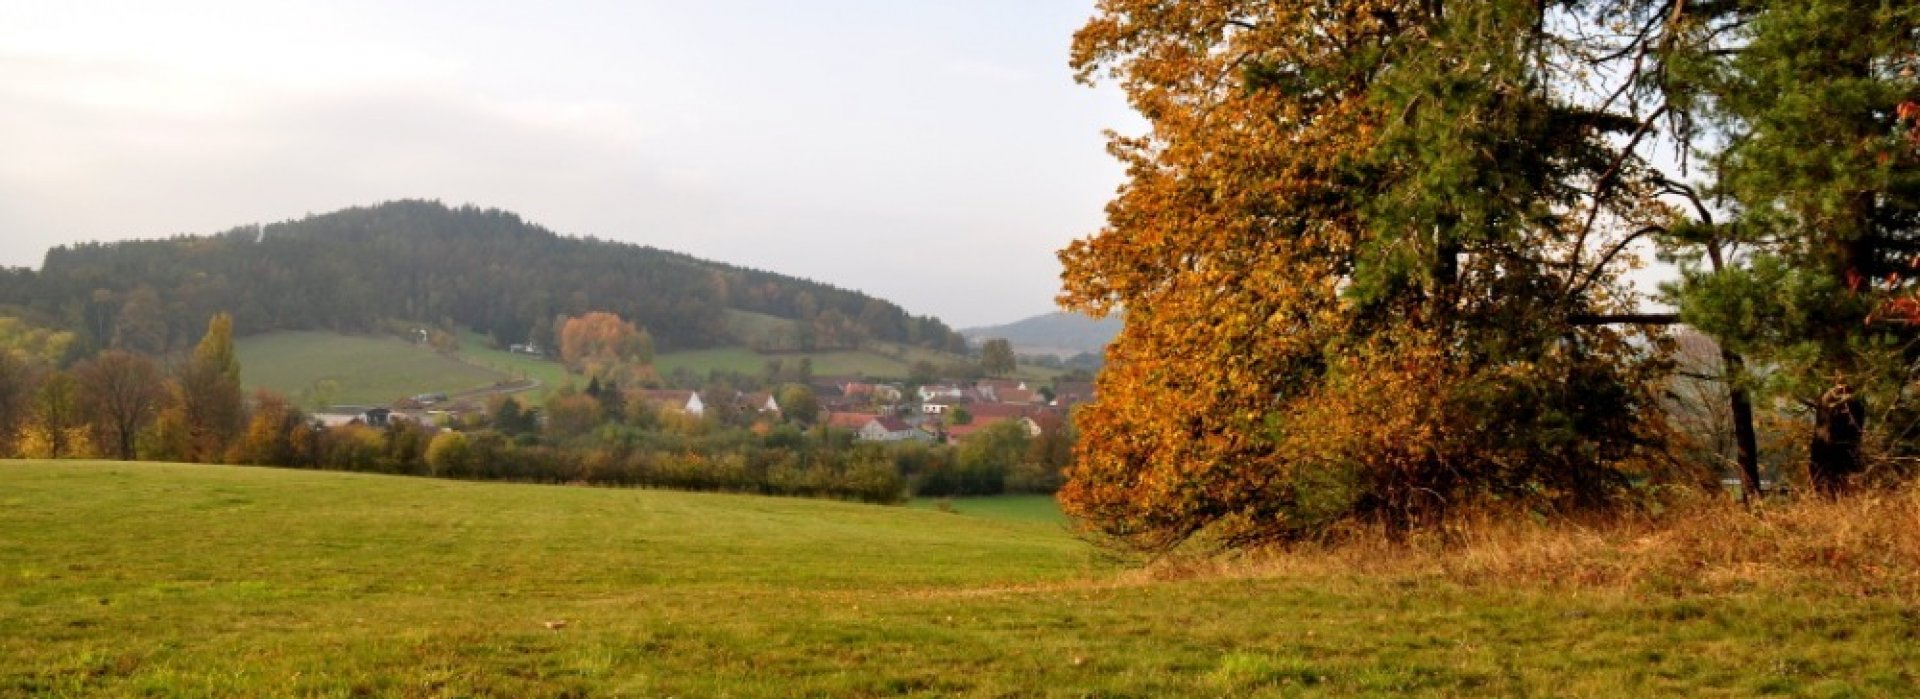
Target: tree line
[(188, 407)]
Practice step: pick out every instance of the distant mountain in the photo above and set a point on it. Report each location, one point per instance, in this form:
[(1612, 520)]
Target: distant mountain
[(421, 262), (1063, 334)]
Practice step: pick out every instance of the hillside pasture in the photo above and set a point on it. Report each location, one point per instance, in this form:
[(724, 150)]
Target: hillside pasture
[(877, 361), (124, 579), (360, 369), (474, 349)]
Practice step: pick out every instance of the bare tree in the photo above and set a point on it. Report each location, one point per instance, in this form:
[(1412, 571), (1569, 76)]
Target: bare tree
[(120, 392)]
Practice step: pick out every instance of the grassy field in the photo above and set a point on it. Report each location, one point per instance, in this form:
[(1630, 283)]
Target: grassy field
[(550, 374), (884, 362), (1016, 508), (747, 361), (377, 370), (172, 580), (361, 369)]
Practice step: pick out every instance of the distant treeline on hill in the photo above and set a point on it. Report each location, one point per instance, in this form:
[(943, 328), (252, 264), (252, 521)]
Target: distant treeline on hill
[(422, 261)]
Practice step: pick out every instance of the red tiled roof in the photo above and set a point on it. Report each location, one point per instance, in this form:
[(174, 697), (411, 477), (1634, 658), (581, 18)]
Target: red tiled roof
[(998, 410), (851, 421)]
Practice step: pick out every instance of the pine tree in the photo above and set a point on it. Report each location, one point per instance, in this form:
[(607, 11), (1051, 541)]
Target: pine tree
[(1824, 183)]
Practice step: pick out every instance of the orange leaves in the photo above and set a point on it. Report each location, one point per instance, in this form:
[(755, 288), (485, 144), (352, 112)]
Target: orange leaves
[(598, 343), (1908, 113)]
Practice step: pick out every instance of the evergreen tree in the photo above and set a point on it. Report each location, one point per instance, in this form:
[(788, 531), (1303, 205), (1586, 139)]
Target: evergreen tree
[(1823, 180)]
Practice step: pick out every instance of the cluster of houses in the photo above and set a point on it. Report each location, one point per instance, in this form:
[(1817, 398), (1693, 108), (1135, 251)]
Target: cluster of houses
[(881, 412), (947, 412)]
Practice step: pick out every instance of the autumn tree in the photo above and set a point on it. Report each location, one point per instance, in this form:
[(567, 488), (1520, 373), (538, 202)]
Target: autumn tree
[(601, 344), (449, 454), (120, 393), (996, 357), (16, 389), (1345, 212), (208, 392), (277, 434), (56, 425), (36, 344), (571, 414)]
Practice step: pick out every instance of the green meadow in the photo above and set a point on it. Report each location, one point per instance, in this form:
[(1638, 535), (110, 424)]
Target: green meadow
[(121, 579), (323, 367)]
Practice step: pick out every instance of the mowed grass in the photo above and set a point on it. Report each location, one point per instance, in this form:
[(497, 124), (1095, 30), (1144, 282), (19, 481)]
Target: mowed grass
[(361, 369), (173, 580)]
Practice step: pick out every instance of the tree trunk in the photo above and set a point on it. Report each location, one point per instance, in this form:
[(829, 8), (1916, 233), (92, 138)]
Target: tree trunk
[(1746, 445), (1833, 457)]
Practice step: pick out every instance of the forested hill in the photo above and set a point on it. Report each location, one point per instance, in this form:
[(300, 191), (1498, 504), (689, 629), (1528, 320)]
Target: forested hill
[(423, 261)]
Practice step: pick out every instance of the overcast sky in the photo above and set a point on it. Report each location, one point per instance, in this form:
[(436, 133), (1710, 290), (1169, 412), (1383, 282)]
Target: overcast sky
[(932, 153)]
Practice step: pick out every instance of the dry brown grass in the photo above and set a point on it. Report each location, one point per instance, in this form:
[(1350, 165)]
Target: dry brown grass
[(1866, 545)]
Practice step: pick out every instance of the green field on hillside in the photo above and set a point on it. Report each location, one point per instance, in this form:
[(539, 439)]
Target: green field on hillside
[(361, 369), (883, 361), (747, 361), (173, 580), (550, 374)]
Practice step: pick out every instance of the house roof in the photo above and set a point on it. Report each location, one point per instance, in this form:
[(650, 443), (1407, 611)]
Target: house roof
[(1073, 391), (1014, 395), (1048, 420), (998, 411), (851, 421), (893, 424), (956, 433)]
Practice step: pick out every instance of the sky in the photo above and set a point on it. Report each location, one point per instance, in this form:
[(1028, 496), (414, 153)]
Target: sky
[(935, 154)]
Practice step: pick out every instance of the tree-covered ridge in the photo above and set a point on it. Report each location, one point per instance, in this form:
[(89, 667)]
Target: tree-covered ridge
[(424, 261)]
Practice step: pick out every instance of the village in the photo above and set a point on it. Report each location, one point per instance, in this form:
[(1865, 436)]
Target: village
[(947, 412)]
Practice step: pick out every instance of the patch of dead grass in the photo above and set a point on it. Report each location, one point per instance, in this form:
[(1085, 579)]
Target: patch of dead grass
[(1866, 544)]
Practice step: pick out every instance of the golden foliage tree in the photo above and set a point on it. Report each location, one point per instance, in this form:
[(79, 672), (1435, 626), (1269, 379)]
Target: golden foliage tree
[(277, 434), (17, 379), (1353, 250), (209, 392), (56, 426), (602, 344)]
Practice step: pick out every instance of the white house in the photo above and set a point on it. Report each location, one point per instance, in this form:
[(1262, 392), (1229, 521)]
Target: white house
[(684, 401), (888, 429), (932, 391)]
